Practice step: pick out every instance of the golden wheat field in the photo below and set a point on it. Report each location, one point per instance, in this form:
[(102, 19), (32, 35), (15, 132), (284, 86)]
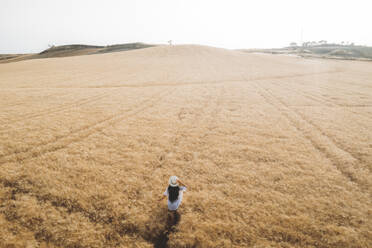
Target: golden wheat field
[(276, 151)]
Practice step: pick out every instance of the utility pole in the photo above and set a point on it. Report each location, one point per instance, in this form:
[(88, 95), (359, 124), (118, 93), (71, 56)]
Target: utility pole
[(301, 36)]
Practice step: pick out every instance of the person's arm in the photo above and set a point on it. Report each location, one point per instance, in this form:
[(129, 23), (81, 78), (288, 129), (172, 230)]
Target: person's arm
[(162, 197), (181, 183)]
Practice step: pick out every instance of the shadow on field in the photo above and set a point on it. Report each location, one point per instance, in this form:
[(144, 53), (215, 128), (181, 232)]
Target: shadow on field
[(171, 220)]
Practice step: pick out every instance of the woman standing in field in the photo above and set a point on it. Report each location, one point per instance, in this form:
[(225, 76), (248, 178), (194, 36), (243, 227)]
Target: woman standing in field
[(174, 193)]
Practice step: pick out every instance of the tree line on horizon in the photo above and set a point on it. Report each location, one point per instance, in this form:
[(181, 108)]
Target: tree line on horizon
[(320, 43)]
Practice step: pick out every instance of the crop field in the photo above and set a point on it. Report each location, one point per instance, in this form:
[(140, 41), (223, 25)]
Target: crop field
[(276, 150)]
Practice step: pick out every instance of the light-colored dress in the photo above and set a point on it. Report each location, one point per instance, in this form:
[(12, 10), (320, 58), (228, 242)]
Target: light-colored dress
[(174, 205)]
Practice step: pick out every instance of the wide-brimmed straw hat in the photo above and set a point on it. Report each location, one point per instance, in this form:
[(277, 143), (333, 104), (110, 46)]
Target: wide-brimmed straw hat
[(173, 181)]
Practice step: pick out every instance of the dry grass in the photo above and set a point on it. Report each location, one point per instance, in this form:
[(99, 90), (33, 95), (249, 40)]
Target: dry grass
[(276, 150)]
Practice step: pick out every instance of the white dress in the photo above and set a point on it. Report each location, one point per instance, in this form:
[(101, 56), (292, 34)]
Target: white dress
[(174, 205)]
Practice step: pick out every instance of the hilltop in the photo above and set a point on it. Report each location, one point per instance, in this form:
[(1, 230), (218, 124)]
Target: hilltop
[(160, 65)]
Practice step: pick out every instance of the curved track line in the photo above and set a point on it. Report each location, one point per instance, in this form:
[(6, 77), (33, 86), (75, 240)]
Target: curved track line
[(324, 100), (58, 108), (338, 157), (80, 133), (23, 102), (211, 81), (320, 99)]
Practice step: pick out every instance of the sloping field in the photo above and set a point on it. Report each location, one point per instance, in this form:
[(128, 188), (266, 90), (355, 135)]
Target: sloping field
[(72, 50), (276, 150)]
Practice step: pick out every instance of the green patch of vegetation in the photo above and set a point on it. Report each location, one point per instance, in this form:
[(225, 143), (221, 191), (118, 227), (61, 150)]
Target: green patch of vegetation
[(124, 47), (67, 48)]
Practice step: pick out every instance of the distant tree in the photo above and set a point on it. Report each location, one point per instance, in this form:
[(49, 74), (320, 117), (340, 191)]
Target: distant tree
[(293, 44)]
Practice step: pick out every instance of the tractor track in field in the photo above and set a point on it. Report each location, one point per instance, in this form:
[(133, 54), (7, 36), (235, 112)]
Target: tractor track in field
[(24, 186), (25, 102), (325, 101), (338, 157), (58, 109), (342, 80), (82, 132), (241, 79)]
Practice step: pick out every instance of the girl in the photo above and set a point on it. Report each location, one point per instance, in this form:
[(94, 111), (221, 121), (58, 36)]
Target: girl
[(174, 193)]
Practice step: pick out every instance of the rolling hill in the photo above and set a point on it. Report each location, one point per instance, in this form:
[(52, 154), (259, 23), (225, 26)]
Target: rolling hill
[(275, 150), (72, 50)]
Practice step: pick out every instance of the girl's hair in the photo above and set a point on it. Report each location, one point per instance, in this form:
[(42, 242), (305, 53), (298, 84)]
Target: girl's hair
[(173, 193)]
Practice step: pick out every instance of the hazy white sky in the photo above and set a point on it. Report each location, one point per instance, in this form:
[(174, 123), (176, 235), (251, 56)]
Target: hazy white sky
[(30, 25)]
